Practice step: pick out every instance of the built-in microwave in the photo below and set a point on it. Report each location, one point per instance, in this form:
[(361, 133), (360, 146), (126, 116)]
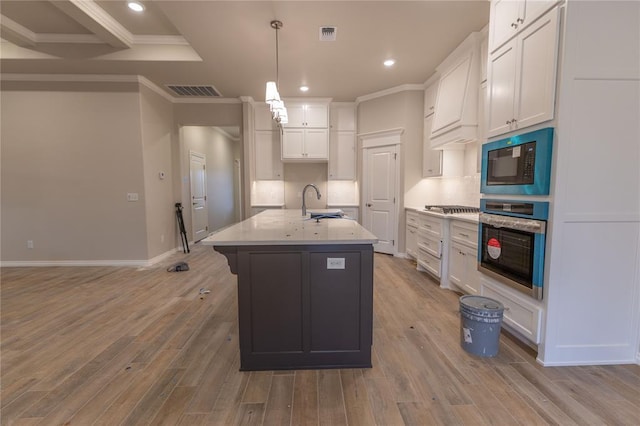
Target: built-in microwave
[(519, 165)]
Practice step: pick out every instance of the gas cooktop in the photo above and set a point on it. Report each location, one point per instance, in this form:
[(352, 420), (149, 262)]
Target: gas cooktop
[(451, 209)]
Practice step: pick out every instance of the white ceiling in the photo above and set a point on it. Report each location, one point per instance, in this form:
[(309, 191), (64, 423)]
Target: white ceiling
[(231, 46)]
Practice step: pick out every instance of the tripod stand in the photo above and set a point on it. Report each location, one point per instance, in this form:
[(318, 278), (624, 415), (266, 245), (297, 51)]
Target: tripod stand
[(183, 232)]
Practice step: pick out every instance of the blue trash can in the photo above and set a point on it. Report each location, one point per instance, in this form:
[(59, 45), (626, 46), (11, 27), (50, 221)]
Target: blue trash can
[(480, 323)]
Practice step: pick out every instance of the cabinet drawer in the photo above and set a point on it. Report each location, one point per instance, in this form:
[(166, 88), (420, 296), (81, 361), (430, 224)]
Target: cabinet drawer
[(412, 219), (429, 244), (464, 232), (428, 262), (431, 224), (520, 315)]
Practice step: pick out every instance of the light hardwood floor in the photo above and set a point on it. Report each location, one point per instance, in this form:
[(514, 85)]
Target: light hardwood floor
[(108, 346)]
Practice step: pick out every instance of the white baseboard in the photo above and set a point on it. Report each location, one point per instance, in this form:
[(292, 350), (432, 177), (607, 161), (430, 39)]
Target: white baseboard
[(44, 263)]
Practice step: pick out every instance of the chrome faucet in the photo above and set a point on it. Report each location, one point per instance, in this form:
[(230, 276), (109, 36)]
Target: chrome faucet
[(304, 191)]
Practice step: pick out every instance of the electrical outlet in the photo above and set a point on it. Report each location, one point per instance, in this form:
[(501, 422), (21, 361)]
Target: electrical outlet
[(335, 263), (29, 244), (132, 196)]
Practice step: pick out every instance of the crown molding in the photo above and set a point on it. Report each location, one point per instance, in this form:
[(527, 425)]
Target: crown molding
[(390, 91), (15, 33)]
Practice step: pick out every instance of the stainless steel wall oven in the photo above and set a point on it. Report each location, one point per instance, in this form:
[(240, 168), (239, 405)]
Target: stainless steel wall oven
[(512, 243)]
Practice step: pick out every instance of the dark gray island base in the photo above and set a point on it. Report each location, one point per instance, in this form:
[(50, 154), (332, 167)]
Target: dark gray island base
[(299, 309)]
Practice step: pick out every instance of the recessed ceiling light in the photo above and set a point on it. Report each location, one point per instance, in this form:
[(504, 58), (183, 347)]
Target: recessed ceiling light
[(304, 88), (389, 62), (135, 6)]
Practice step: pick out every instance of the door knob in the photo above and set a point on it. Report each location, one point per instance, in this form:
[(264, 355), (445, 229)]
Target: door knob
[(369, 205)]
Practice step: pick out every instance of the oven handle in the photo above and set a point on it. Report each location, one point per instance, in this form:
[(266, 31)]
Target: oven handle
[(520, 224)]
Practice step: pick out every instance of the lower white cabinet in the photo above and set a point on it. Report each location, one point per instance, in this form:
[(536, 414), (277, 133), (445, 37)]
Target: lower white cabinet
[(463, 270), (305, 144), (520, 314), (411, 241)]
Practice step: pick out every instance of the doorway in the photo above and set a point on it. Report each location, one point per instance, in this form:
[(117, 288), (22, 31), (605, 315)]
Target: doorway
[(380, 195), (212, 158)]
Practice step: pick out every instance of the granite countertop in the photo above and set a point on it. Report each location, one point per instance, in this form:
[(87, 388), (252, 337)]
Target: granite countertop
[(288, 227), (467, 217)]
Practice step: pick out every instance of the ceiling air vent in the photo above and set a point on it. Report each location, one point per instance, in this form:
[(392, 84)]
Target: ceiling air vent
[(194, 91), (328, 33)]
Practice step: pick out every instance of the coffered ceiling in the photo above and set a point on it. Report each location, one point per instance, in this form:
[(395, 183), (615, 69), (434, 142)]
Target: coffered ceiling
[(231, 46)]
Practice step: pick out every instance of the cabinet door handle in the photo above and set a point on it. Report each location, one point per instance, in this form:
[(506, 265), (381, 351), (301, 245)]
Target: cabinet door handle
[(464, 235), (514, 25), (519, 20), (369, 205)]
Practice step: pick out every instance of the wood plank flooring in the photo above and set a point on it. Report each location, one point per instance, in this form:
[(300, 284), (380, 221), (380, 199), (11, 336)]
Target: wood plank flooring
[(110, 346)]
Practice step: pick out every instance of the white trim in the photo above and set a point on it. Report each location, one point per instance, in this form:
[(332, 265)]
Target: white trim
[(381, 138), (390, 91), (69, 38), (114, 78), (16, 33), (45, 263), (155, 88), (171, 40)]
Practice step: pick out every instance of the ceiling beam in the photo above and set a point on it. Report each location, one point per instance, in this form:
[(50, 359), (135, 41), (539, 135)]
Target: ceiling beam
[(94, 18), (15, 33)]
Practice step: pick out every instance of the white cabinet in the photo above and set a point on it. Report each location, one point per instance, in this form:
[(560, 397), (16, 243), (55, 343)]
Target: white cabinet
[(342, 155), (520, 314), (522, 78), (306, 136), (342, 142), (267, 155), (343, 116), (411, 241), (307, 114), (508, 17), (430, 99), (431, 158), (463, 255), (305, 144), (429, 239), (455, 119)]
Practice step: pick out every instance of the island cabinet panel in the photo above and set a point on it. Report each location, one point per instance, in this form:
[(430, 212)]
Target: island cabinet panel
[(303, 306), (275, 325)]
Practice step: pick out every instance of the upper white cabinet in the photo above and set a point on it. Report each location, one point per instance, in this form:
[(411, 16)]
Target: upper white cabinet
[(455, 117), (522, 78), (342, 141), (430, 99), (508, 17), (307, 114), (343, 116), (342, 155), (306, 136), (267, 155), (305, 144), (431, 158)]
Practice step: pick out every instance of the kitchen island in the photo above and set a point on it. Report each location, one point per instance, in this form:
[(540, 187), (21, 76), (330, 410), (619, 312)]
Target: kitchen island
[(305, 290)]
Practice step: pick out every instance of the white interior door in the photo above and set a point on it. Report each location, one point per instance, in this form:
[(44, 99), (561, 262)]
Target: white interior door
[(199, 209), (379, 211)]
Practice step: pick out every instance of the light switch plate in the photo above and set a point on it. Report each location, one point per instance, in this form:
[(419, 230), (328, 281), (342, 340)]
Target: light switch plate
[(335, 263)]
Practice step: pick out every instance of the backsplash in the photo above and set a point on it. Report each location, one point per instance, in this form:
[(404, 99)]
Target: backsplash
[(447, 190)]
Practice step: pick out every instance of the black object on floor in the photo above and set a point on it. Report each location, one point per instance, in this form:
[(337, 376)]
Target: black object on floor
[(183, 232), (179, 267)]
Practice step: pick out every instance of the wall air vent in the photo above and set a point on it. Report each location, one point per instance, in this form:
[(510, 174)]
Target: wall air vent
[(194, 91), (328, 33)]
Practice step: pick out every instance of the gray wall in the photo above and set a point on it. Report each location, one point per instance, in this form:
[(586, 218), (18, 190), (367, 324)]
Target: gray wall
[(220, 152), (398, 110), (69, 158)]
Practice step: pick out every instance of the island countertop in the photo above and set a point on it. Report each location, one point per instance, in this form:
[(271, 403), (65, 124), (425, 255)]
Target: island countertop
[(289, 227)]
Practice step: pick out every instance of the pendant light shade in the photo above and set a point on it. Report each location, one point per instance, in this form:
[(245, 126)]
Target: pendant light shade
[(272, 97)]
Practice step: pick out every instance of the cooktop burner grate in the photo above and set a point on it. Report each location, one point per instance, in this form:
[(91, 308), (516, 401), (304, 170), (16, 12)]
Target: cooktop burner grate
[(452, 209)]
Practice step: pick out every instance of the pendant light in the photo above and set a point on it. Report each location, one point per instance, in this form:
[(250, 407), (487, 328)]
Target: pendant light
[(272, 96)]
